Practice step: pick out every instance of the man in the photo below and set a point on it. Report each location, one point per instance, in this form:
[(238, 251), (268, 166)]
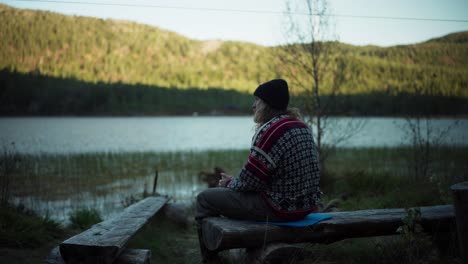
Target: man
[(280, 180)]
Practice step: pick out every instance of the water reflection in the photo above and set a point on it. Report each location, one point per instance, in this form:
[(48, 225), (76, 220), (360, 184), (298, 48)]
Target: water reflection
[(110, 199)]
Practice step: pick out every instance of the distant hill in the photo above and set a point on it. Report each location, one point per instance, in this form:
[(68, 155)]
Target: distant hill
[(110, 51), (458, 37)]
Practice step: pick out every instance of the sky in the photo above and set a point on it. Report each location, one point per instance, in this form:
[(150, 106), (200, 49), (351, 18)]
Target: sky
[(263, 21)]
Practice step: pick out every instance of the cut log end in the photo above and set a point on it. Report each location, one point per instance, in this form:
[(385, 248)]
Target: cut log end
[(462, 186), (460, 201)]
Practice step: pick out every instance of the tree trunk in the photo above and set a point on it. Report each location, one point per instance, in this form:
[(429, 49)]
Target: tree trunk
[(460, 200), (223, 233)]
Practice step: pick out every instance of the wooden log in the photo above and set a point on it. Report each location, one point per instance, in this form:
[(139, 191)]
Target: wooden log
[(155, 182), (103, 242), (235, 255), (222, 233), (460, 201), (128, 256)]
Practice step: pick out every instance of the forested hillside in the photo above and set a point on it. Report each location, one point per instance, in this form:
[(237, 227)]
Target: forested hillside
[(92, 51)]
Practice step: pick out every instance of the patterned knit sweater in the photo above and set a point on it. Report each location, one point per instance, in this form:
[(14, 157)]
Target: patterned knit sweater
[(283, 166)]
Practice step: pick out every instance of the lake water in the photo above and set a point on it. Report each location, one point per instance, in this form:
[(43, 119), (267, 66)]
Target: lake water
[(161, 134), (130, 134), (111, 199)]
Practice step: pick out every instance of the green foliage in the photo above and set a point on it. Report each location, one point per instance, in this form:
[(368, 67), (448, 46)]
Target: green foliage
[(168, 242), (413, 238), (84, 218), (9, 162), (32, 94), (411, 224), (22, 228), (27, 94), (371, 178), (371, 184), (385, 250), (109, 51), (57, 176)]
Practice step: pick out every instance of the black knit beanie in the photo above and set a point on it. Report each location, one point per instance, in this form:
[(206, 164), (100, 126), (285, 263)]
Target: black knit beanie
[(275, 93)]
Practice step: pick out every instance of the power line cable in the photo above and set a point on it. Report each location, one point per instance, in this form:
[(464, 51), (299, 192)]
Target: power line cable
[(247, 11)]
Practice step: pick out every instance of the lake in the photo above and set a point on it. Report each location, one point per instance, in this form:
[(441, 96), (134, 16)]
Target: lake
[(99, 162), (158, 134)]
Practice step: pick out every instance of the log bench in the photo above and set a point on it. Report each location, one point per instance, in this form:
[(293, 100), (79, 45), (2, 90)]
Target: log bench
[(219, 233), (264, 240), (106, 242)]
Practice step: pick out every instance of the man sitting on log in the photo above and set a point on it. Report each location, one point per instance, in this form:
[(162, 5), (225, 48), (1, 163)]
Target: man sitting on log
[(280, 180)]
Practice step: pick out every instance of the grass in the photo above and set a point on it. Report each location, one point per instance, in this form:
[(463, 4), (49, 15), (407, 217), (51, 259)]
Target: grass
[(22, 228), (383, 250), (168, 242), (84, 218), (367, 178), (363, 190), (357, 179), (381, 178), (55, 176)]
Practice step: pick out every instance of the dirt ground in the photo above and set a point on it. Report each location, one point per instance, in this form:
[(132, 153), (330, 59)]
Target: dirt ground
[(30, 255), (26, 255)]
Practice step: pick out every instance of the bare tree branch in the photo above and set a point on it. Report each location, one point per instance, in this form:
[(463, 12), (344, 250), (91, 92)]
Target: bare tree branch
[(308, 60)]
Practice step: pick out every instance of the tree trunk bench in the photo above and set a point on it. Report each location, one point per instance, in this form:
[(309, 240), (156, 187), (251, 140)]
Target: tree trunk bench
[(105, 242), (219, 233)]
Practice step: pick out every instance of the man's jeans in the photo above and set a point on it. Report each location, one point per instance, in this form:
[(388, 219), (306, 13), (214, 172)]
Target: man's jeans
[(234, 204)]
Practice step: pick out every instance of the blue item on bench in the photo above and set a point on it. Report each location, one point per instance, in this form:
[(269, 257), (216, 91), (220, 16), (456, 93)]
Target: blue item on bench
[(309, 220)]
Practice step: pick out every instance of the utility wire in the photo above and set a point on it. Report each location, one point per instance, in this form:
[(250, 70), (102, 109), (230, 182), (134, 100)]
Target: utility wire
[(246, 11)]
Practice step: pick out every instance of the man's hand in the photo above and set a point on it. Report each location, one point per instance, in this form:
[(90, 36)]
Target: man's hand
[(225, 179)]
